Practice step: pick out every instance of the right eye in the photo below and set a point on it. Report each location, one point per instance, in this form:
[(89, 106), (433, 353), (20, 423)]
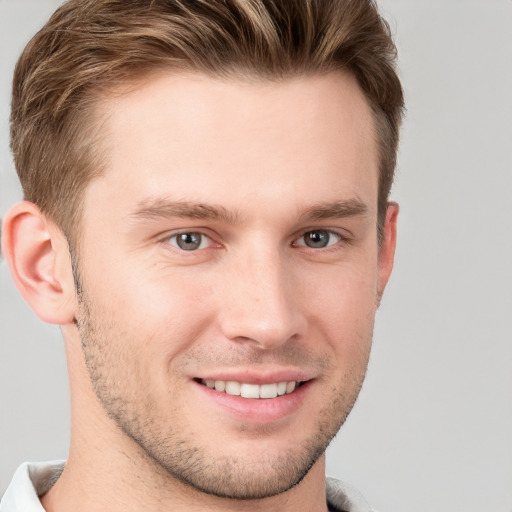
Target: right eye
[(189, 241)]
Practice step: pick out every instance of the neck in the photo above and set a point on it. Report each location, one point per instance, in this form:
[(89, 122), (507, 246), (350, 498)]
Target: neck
[(100, 478)]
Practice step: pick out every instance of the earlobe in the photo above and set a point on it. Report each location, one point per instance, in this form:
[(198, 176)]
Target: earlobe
[(387, 249), (38, 258)]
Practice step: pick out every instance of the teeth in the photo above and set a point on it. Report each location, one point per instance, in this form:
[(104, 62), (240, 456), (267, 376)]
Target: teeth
[(233, 388), (281, 388), (251, 390), (268, 391)]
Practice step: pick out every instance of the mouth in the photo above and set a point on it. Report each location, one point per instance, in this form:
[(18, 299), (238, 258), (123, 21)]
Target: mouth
[(254, 391)]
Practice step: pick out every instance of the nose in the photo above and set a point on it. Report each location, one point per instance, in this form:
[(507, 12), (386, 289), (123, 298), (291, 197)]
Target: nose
[(262, 303)]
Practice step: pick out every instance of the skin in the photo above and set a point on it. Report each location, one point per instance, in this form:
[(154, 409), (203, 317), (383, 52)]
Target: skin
[(254, 170)]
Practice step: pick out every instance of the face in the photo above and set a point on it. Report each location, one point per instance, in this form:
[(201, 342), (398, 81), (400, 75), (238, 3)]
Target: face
[(229, 274)]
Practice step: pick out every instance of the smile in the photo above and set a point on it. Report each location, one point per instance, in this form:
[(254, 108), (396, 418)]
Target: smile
[(246, 390)]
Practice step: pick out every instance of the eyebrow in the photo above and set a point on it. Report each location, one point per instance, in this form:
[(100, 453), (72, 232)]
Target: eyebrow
[(162, 208), (334, 210)]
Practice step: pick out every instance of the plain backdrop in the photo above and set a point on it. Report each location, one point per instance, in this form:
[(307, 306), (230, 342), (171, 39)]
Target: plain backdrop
[(432, 430)]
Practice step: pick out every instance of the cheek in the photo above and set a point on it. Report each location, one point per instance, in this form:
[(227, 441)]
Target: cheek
[(343, 308), (161, 313), (343, 292)]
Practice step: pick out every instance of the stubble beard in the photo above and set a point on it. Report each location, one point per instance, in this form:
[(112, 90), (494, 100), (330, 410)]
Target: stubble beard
[(171, 450)]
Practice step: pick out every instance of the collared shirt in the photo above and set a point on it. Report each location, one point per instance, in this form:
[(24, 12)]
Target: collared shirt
[(32, 480)]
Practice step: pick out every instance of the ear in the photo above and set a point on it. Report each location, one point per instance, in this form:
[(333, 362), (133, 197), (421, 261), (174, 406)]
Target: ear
[(387, 249), (38, 257)]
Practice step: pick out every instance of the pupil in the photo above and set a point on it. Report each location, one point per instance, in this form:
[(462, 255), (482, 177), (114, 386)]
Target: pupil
[(189, 241), (317, 239)]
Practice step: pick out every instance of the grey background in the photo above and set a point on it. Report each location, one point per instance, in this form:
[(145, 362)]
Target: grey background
[(432, 430)]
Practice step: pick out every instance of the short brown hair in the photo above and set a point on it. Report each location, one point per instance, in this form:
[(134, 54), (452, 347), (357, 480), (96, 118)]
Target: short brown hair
[(89, 46)]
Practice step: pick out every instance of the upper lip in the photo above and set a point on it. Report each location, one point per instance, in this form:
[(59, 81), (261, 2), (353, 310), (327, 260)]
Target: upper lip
[(257, 376)]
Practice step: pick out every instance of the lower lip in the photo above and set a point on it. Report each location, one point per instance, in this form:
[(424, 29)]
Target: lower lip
[(260, 411)]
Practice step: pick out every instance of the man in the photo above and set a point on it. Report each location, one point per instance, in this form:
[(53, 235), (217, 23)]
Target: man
[(206, 217)]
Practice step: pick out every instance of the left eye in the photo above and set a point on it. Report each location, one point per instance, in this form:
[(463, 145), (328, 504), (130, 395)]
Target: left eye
[(318, 239), (189, 241)]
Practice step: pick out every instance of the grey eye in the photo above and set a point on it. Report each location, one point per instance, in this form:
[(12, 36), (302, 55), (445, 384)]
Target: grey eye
[(319, 238), (188, 241)]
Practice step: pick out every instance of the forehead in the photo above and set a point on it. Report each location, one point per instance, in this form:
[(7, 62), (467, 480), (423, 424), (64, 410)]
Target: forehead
[(198, 138)]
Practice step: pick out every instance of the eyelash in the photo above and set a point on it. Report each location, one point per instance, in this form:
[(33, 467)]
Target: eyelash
[(331, 245), (175, 236)]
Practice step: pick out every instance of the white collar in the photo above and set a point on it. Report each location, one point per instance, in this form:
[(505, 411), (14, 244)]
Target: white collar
[(31, 480)]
